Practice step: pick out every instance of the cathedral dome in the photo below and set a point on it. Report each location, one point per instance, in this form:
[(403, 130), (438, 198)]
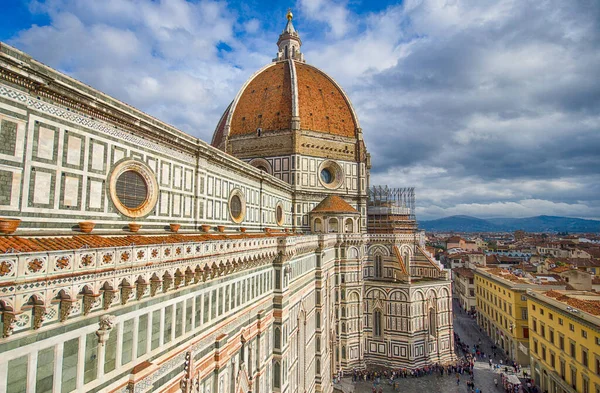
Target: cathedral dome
[(288, 95)]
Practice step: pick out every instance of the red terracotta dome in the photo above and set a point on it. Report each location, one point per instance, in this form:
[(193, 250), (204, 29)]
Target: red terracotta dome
[(286, 95), (285, 91)]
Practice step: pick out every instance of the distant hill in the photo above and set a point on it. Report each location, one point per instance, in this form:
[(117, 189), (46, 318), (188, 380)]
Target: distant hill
[(529, 224)]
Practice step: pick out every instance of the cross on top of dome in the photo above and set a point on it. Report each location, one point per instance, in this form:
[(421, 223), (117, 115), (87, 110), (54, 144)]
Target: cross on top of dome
[(289, 42)]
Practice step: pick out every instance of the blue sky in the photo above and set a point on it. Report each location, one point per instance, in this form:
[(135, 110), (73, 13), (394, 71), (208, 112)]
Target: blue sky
[(488, 107)]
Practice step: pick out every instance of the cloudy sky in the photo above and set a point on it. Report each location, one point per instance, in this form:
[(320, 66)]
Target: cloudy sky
[(489, 108)]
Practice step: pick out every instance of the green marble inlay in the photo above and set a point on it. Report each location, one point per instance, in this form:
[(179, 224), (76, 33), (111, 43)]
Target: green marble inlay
[(45, 371), (188, 314), (110, 353), (6, 178), (127, 342), (198, 314), (205, 309), (16, 380), (91, 358), (178, 317), (69, 366), (8, 136), (155, 330), (142, 335), (168, 324)]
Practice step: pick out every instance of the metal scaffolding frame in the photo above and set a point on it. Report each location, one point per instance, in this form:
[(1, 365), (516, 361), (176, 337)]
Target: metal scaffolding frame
[(386, 200)]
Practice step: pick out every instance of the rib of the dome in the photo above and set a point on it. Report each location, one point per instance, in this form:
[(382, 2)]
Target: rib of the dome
[(265, 102), (219, 135), (323, 106)]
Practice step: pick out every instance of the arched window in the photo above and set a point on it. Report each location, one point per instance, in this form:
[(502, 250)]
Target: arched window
[(277, 375), (378, 266), (432, 322), (277, 338), (318, 225), (333, 225), (349, 226), (344, 352), (377, 323)]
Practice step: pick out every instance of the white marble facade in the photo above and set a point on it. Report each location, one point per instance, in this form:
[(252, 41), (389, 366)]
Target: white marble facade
[(228, 312)]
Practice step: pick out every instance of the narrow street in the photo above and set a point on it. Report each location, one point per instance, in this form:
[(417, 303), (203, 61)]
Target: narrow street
[(468, 331)]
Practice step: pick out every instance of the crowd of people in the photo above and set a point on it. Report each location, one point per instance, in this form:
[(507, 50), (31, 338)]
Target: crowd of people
[(462, 370)]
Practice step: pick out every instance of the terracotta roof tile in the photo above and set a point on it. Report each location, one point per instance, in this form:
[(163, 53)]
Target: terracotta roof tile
[(9, 244), (266, 102), (334, 204), (321, 104), (574, 299)]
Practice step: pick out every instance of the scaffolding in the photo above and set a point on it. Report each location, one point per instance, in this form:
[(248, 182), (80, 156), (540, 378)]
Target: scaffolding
[(391, 210)]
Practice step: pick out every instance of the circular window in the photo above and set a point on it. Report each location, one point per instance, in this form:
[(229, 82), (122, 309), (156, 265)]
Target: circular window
[(326, 176), (331, 174), (237, 206), (133, 188), (279, 216)]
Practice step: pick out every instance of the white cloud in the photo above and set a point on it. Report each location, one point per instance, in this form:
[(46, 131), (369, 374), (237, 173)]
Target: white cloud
[(487, 107)]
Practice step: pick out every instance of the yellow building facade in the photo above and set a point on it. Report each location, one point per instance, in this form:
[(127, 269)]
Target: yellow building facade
[(564, 340), (502, 311)]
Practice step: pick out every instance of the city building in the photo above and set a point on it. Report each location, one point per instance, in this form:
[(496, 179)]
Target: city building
[(502, 308), (463, 280), (135, 257), (564, 340)]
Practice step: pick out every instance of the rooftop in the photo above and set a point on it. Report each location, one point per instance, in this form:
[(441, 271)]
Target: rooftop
[(18, 244), (582, 300), (334, 204)]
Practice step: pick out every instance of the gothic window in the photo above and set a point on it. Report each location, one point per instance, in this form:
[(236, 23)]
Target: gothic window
[(377, 323), (378, 266), (432, 322)]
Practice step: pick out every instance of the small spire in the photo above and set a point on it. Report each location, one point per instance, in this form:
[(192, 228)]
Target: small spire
[(289, 27), (289, 41)]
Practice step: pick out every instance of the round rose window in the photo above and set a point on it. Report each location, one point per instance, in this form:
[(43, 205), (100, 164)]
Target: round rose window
[(326, 176), (131, 189)]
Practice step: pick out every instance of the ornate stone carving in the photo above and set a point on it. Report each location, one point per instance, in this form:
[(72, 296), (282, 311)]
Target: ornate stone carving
[(106, 324), (65, 309), (107, 258), (8, 323), (189, 276), (6, 268), (167, 284), (140, 290), (197, 275), (126, 292), (62, 263), (109, 296), (35, 265), (154, 284), (39, 315), (87, 260), (178, 280), (186, 384), (89, 303)]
